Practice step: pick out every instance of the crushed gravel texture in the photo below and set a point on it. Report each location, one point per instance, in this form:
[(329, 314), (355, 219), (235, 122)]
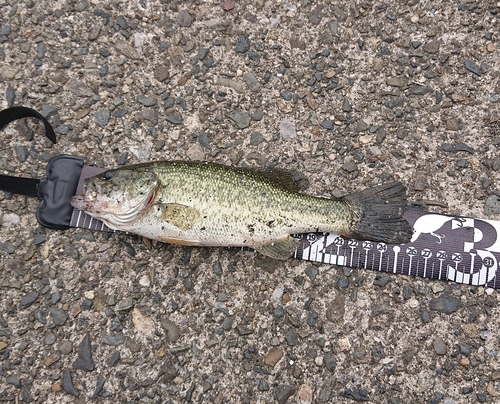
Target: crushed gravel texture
[(349, 93)]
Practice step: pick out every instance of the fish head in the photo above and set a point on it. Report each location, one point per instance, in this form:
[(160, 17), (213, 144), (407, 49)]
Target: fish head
[(118, 197)]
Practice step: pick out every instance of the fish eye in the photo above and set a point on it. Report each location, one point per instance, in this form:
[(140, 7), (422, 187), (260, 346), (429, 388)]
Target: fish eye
[(109, 174)]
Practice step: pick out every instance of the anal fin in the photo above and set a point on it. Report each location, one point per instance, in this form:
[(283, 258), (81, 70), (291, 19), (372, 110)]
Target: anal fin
[(280, 249)]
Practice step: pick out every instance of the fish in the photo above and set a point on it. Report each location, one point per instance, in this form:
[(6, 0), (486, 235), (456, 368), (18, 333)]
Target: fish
[(208, 204)]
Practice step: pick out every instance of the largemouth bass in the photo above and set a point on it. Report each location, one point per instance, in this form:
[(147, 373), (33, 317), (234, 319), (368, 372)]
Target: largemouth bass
[(205, 204)]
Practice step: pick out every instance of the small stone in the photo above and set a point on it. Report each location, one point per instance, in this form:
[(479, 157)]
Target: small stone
[(67, 383), (346, 105), (173, 332), (439, 346), (3, 345), (9, 248), (84, 360), (472, 67), (125, 304), (113, 340), (147, 101), (175, 118), (287, 129), (349, 166), (305, 394), (396, 81), (291, 337), (65, 347), (161, 73), (228, 5), (343, 282), (114, 359), (184, 18), (126, 49), (382, 279), (273, 357), (446, 304), (99, 387), (283, 392), (149, 116), (329, 361), (51, 359), (28, 299), (453, 124), (431, 47), (311, 272), (241, 119), (14, 380), (102, 117), (327, 124), (252, 83), (492, 205), (256, 138), (257, 115), (58, 315), (50, 338), (420, 182), (419, 89), (243, 44), (48, 111)]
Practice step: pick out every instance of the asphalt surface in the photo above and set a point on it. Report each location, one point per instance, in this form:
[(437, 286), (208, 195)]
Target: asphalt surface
[(350, 94)]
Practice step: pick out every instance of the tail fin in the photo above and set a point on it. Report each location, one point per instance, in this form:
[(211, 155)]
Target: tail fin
[(379, 214)]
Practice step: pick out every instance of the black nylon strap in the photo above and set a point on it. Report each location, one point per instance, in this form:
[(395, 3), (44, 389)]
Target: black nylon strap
[(14, 113), (19, 185)]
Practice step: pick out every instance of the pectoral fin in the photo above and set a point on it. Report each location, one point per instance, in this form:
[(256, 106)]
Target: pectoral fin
[(280, 249), (181, 216)]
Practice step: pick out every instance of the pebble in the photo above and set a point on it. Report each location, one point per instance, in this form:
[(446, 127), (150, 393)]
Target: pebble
[(287, 129), (492, 205), (343, 282), (58, 315), (125, 304), (472, 67), (446, 304), (291, 337), (84, 360), (67, 383), (184, 18), (48, 111), (99, 387), (10, 96), (273, 356), (113, 359), (147, 101), (251, 82), (114, 340), (243, 44), (327, 124), (283, 392), (305, 394), (311, 272), (65, 347), (51, 359), (172, 330), (329, 361), (102, 117), (126, 49), (431, 47), (382, 279), (9, 248), (349, 166), (241, 119), (14, 380), (28, 299), (396, 81), (175, 118), (439, 346), (420, 183)]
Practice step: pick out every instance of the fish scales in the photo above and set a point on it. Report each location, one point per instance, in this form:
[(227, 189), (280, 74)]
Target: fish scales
[(206, 204)]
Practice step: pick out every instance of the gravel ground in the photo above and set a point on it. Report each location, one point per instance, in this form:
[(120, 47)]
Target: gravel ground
[(348, 93)]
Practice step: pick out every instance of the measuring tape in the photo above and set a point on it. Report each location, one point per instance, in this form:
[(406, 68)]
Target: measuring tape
[(450, 248)]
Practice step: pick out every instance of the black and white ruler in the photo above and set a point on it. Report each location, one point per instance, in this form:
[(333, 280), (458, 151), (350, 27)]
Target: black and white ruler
[(450, 248)]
